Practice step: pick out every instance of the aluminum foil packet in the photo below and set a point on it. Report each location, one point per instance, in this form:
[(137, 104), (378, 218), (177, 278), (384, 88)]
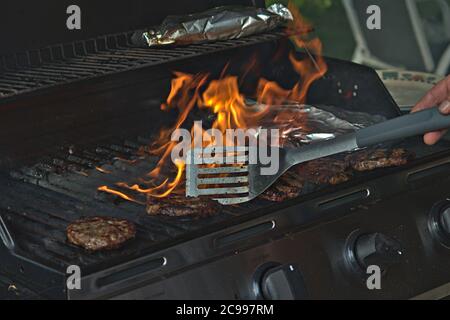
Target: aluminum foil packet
[(221, 23), (301, 124)]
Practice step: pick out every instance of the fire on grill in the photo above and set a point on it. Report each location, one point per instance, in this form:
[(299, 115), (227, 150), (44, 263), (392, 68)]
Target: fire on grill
[(220, 102), (230, 109)]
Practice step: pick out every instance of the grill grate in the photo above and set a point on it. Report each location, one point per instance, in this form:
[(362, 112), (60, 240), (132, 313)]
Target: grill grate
[(63, 188), (65, 63)]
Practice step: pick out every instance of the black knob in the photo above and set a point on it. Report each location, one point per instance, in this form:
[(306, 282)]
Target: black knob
[(440, 222), (373, 249), (445, 221), (282, 282)]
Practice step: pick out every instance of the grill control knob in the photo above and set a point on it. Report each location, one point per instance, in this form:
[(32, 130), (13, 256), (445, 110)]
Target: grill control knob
[(373, 249), (281, 282), (445, 221), (377, 249), (440, 222)]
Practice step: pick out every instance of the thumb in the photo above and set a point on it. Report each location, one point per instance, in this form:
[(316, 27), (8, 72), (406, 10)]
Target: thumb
[(445, 107)]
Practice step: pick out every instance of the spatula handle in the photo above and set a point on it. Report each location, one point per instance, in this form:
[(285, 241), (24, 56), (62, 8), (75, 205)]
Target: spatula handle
[(403, 127)]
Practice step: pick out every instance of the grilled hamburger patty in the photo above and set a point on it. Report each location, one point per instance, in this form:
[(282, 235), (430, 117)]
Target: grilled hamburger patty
[(325, 171), (177, 205), (333, 171), (100, 233), (368, 160), (287, 187)]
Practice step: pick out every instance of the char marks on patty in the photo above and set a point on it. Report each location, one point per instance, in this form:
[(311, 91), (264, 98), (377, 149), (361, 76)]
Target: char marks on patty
[(289, 186), (177, 205), (325, 171), (100, 233), (368, 160)]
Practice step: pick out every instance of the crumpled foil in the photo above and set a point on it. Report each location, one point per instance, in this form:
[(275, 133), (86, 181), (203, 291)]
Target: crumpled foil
[(301, 124), (221, 23)]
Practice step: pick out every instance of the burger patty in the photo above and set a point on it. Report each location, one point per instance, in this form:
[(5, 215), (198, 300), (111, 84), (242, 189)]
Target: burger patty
[(100, 233), (177, 205), (368, 160), (289, 186), (330, 171), (325, 171)]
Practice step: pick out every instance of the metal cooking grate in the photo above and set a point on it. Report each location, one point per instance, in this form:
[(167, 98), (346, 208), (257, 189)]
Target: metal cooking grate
[(76, 61), (63, 188)]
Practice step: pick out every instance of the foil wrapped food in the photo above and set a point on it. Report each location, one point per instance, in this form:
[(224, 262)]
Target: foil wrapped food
[(300, 124), (221, 23)]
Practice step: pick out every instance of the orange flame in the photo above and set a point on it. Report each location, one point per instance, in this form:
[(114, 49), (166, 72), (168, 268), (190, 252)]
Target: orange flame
[(226, 101), (161, 191), (117, 193), (223, 98)]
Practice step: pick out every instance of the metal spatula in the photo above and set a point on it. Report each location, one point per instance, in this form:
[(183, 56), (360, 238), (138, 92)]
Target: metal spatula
[(243, 182)]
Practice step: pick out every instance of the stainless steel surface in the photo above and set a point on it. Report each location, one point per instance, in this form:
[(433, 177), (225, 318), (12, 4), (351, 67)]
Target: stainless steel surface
[(238, 156), (256, 182)]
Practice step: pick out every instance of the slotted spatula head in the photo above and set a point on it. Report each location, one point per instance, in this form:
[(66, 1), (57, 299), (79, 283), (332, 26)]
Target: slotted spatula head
[(209, 172), (226, 174)]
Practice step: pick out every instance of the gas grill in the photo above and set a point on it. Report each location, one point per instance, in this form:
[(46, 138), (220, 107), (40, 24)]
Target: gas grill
[(72, 104)]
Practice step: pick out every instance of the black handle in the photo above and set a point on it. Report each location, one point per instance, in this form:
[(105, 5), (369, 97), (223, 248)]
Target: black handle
[(403, 127), (284, 282), (377, 249)]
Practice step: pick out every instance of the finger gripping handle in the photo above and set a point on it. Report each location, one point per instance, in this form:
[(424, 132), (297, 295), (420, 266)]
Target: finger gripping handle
[(403, 127)]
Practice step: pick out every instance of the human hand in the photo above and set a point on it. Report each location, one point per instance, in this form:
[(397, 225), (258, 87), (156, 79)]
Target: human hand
[(438, 96)]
